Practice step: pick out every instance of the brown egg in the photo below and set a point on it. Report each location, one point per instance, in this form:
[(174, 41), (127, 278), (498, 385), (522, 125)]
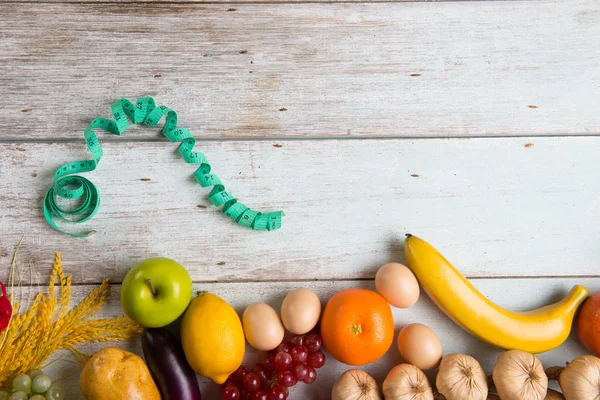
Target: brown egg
[(420, 346), (262, 326), (397, 284), (300, 311)]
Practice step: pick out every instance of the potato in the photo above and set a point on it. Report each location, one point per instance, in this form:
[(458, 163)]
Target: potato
[(115, 374)]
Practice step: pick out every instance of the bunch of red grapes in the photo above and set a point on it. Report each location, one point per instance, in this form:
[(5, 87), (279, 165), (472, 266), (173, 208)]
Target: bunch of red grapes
[(290, 363)]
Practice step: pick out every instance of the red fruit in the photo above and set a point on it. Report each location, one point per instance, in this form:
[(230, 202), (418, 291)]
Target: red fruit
[(300, 371), (282, 361), (286, 379), (277, 393), (251, 382), (5, 308), (313, 342), (588, 324), (230, 392), (316, 360), (259, 370), (298, 340), (238, 376), (268, 366), (311, 376), (299, 354), (228, 382), (260, 395), (282, 347)]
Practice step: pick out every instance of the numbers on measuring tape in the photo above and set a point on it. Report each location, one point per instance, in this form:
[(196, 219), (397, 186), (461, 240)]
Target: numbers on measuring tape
[(145, 111)]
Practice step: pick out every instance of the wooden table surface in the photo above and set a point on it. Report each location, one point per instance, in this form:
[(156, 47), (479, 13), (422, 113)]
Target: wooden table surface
[(475, 125)]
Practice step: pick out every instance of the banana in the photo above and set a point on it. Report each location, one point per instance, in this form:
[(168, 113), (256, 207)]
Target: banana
[(535, 331)]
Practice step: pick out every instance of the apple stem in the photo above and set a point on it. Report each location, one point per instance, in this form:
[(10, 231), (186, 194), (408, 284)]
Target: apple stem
[(152, 289)]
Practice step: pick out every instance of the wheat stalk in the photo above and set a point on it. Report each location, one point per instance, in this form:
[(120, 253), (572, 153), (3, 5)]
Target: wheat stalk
[(48, 326)]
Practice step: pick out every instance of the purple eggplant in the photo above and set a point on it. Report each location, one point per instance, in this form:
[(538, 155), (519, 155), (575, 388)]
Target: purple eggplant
[(175, 378)]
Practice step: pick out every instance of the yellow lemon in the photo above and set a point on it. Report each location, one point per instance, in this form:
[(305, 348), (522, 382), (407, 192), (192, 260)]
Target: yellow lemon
[(212, 337)]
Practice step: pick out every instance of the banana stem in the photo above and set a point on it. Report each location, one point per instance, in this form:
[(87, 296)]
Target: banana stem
[(575, 297)]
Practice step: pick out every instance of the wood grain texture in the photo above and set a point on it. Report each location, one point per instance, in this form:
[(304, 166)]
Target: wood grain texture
[(494, 207), (315, 70), (232, 4), (516, 294)]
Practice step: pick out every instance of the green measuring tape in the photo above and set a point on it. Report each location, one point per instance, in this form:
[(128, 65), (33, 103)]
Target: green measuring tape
[(69, 186)]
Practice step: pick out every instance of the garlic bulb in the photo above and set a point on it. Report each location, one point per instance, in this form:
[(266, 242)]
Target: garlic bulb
[(355, 384), (519, 375), (406, 382), (461, 378), (554, 395), (580, 380)]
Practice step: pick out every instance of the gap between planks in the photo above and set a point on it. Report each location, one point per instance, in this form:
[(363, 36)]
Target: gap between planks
[(334, 280), (298, 138), (250, 2)]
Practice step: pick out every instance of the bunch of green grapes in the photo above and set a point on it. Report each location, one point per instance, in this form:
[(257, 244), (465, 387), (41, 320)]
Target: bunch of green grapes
[(33, 386)]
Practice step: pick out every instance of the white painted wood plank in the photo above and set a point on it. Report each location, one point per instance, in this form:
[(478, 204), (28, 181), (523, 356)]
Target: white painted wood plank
[(231, 4), (403, 69), (516, 294), (495, 207)]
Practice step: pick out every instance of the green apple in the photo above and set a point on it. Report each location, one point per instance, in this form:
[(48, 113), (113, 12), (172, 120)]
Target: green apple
[(156, 292)]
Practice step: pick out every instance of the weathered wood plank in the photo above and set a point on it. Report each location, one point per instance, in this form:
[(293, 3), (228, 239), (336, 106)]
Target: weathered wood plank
[(232, 3), (496, 207), (345, 70), (517, 294)]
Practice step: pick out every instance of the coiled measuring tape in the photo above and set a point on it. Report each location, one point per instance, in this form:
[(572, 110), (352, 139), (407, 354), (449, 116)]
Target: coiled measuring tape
[(69, 186)]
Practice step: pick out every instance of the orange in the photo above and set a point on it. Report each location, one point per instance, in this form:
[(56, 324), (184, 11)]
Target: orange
[(588, 324), (357, 326)]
